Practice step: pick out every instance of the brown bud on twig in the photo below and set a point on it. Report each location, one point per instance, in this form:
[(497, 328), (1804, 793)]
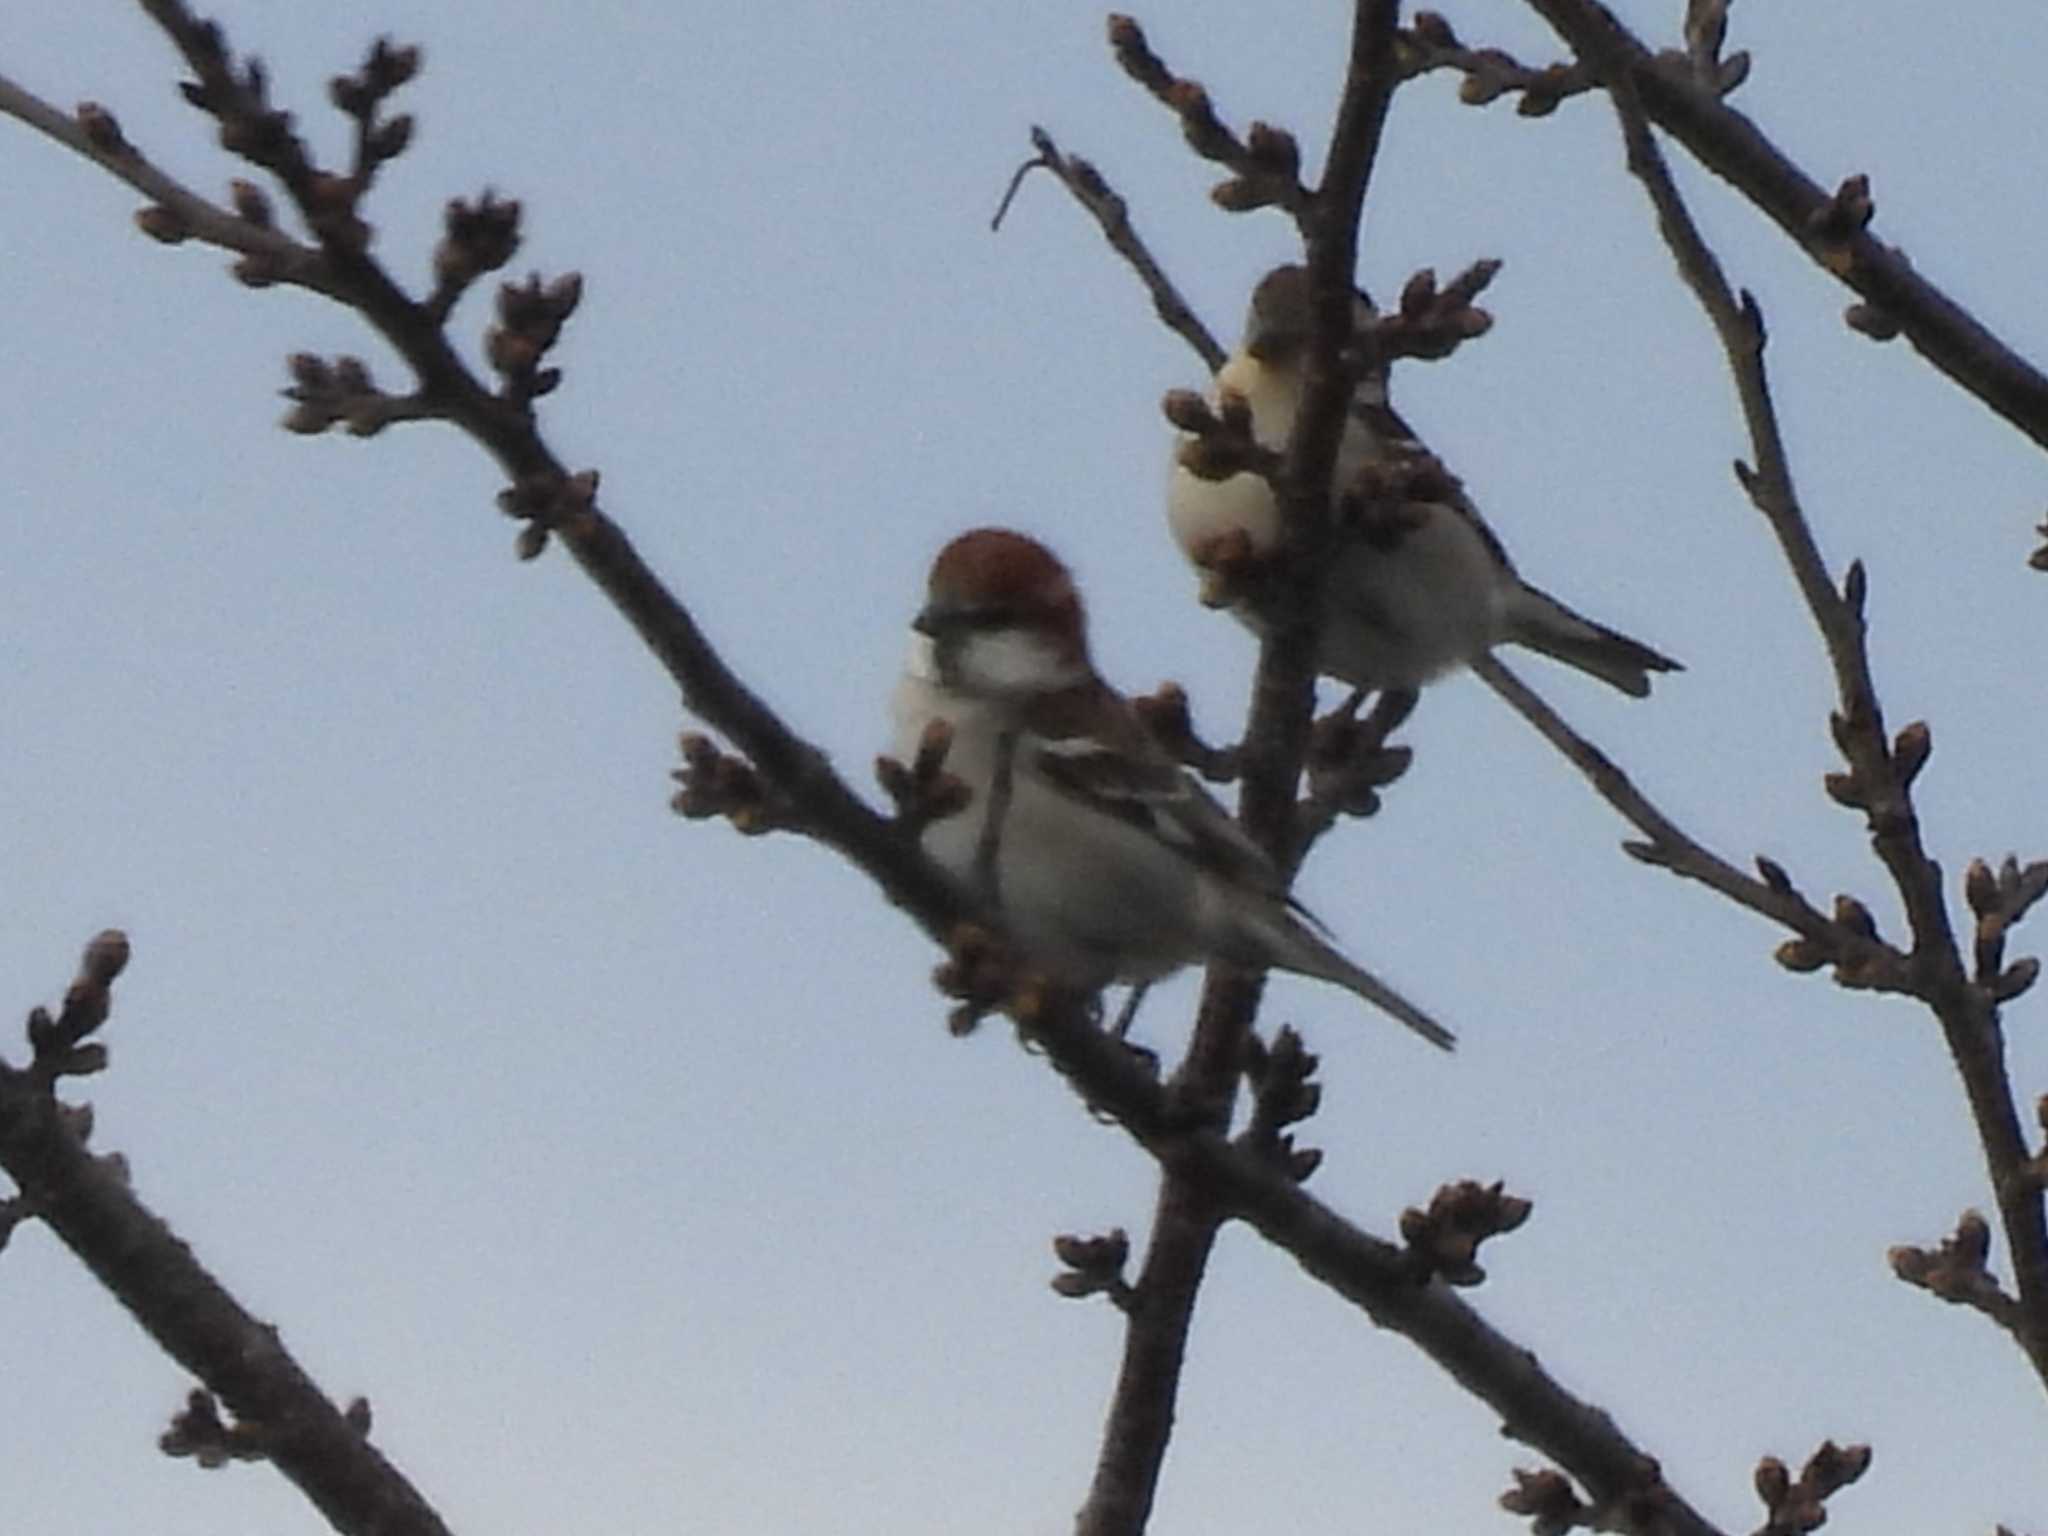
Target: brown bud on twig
[(1431, 27), (2015, 979), (1868, 319), (60, 1044), (1910, 749), (103, 130), (1980, 889), (1801, 955), (251, 203), (1855, 917), (1840, 219), (1187, 410), (1855, 589), (163, 224), (1774, 875)]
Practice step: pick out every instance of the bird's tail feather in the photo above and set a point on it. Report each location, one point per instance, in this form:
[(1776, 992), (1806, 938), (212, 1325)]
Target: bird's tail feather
[(1542, 623), (1295, 946)]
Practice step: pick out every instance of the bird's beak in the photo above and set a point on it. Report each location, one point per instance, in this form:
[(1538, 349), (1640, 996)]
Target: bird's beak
[(926, 622)]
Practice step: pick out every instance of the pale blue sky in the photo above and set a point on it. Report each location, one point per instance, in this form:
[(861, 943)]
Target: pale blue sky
[(625, 1164)]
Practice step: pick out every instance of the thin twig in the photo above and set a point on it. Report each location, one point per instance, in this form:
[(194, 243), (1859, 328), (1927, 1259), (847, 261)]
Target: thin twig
[(190, 216), (1669, 847), (1113, 215)]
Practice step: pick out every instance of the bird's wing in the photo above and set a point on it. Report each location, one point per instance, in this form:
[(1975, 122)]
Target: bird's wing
[(1089, 746)]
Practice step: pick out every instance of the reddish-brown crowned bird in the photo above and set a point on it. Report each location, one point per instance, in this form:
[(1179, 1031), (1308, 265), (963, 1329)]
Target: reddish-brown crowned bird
[(1111, 863)]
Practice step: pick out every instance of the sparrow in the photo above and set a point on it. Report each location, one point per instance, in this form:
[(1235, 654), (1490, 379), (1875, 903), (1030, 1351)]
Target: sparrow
[(1418, 589), (1109, 862)]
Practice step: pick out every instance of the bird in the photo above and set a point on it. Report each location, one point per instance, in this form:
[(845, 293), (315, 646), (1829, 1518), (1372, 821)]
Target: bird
[(1417, 589), (1109, 862)]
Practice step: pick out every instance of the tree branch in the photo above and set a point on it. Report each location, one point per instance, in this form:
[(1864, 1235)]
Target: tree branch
[(1276, 739), (87, 1202), (1734, 148), (1881, 770)]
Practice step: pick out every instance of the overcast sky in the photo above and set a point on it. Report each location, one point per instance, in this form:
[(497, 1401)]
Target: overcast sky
[(625, 1164)]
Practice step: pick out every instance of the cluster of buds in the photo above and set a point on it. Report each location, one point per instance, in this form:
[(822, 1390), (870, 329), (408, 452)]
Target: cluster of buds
[(1833, 228), (1797, 1505), (1490, 73), (547, 501), (713, 782), (982, 974), (476, 237), (200, 1432), (1444, 1240), (1958, 1271), (1094, 1267), (1219, 441), (1284, 1093), (530, 319), (922, 791), (1349, 761), (1432, 322), (60, 1044), (1554, 1506), (1999, 899), (340, 393), (1265, 164), (362, 96)]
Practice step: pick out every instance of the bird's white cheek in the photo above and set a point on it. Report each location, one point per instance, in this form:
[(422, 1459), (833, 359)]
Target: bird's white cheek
[(922, 662), (1010, 661)]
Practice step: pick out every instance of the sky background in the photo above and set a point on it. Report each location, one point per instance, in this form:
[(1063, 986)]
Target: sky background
[(625, 1164)]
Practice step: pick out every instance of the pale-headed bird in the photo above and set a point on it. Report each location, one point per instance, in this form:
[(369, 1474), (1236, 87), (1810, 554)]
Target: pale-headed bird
[(1417, 589)]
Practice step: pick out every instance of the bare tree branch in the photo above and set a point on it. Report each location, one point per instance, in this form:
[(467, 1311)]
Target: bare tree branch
[(1829, 228), (1276, 739), (1881, 770), (87, 1202)]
